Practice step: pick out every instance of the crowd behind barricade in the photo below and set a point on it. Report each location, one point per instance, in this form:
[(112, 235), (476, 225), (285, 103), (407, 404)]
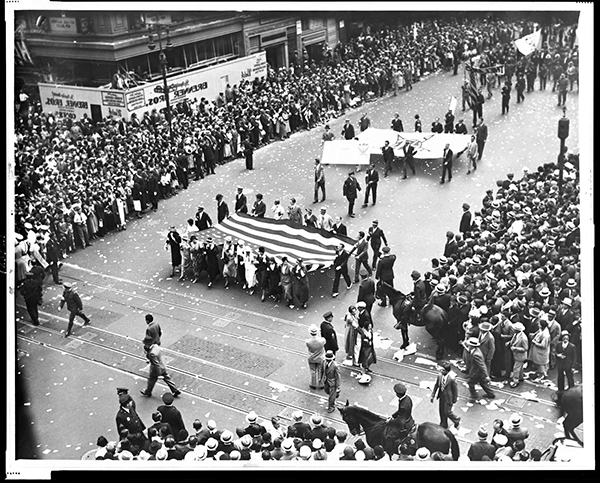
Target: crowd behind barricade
[(79, 180), (257, 440)]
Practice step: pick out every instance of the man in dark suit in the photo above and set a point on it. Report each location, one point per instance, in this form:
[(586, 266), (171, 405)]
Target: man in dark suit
[(481, 448), (299, 429), (447, 164), (451, 246), (222, 208), (446, 390), (203, 221), (385, 271), (170, 414), (127, 418), (348, 130), (340, 265), (404, 412), (241, 203), (339, 227), (159, 424), (332, 379), (376, 236), (328, 333), (366, 294), (436, 126), (53, 257), (259, 209), (361, 256), (397, 123), (566, 355), (465, 221), (388, 158), (449, 122), (482, 135), (409, 158), (350, 191), (371, 180)]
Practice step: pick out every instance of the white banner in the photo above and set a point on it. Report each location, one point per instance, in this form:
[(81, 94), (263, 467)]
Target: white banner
[(453, 104), (341, 151), (529, 43)]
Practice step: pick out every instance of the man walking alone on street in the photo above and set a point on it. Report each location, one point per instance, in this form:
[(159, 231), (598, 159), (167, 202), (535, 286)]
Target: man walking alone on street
[(446, 390), (350, 191), (158, 369), (332, 380), (74, 306)]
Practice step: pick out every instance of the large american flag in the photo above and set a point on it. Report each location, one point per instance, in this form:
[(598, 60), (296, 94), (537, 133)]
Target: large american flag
[(315, 247), (472, 90)]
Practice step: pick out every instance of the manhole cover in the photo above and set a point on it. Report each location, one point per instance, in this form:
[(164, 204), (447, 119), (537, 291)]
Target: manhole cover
[(220, 322), (88, 336), (516, 401)]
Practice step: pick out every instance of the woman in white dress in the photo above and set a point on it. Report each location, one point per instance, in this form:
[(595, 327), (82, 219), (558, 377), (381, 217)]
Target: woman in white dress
[(250, 269)]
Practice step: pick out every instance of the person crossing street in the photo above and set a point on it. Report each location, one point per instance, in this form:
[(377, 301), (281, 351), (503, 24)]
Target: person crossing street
[(71, 298)]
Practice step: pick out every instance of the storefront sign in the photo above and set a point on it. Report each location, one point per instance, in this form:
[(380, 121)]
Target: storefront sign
[(65, 25), (113, 98)]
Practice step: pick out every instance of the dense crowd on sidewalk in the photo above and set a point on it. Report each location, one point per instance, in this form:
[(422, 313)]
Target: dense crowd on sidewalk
[(304, 439), (77, 181)]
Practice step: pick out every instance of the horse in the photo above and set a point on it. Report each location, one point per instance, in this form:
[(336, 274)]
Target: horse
[(571, 404), (380, 431), (433, 318)]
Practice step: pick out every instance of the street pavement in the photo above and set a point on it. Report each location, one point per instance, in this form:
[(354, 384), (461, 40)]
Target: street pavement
[(228, 352)]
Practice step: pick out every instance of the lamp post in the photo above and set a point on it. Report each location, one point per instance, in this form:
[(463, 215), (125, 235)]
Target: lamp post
[(162, 58), (563, 133)]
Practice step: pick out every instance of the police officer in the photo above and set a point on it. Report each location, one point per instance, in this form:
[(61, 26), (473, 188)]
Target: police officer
[(404, 412), (74, 306), (127, 418)]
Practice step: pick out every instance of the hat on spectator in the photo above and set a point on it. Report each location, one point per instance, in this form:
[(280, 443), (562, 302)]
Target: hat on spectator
[(415, 275), (485, 326), (545, 292), (519, 327), (361, 305), (251, 417), (571, 283), (317, 443), (210, 424), (246, 441), (376, 222), (400, 389), (313, 330), (567, 301), (316, 419), (422, 454), (482, 434), (472, 342), (327, 314), (534, 312), (565, 333), (162, 454), (515, 420), (329, 355), (200, 451), (462, 300), (287, 445), (443, 260), (168, 398), (297, 415), (441, 288), (211, 444)]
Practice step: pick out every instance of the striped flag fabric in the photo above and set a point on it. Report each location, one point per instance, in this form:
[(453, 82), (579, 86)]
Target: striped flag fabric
[(529, 43), (315, 247)]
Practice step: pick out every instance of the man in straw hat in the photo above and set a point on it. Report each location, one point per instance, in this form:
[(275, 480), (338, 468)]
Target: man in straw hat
[(332, 380), (316, 357), (477, 372), (519, 346)]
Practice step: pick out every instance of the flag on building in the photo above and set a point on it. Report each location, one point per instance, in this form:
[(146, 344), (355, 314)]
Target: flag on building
[(529, 43), (315, 247), (22, 56)]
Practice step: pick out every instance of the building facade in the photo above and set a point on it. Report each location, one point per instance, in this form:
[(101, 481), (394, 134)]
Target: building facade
[(101, 48)]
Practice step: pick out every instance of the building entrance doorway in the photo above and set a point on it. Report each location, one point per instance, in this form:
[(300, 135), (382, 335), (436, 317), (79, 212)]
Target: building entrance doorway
[(276, 56)]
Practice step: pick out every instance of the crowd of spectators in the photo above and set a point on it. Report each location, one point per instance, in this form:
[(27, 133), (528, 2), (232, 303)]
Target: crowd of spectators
[(256, 440), (515, 261)]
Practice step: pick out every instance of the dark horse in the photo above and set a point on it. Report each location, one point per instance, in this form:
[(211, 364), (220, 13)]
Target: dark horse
[(571, 404), (432, 317), (379, 431)]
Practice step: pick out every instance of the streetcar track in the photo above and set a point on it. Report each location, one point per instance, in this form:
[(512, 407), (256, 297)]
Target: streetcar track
[(177, 370)]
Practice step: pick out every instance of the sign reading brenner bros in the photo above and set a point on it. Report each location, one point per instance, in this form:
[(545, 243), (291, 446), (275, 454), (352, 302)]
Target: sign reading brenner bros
[(72, 102)]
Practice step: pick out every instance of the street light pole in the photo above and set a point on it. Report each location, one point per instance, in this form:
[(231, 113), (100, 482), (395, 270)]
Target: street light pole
[(162, 58), (563, 133)]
